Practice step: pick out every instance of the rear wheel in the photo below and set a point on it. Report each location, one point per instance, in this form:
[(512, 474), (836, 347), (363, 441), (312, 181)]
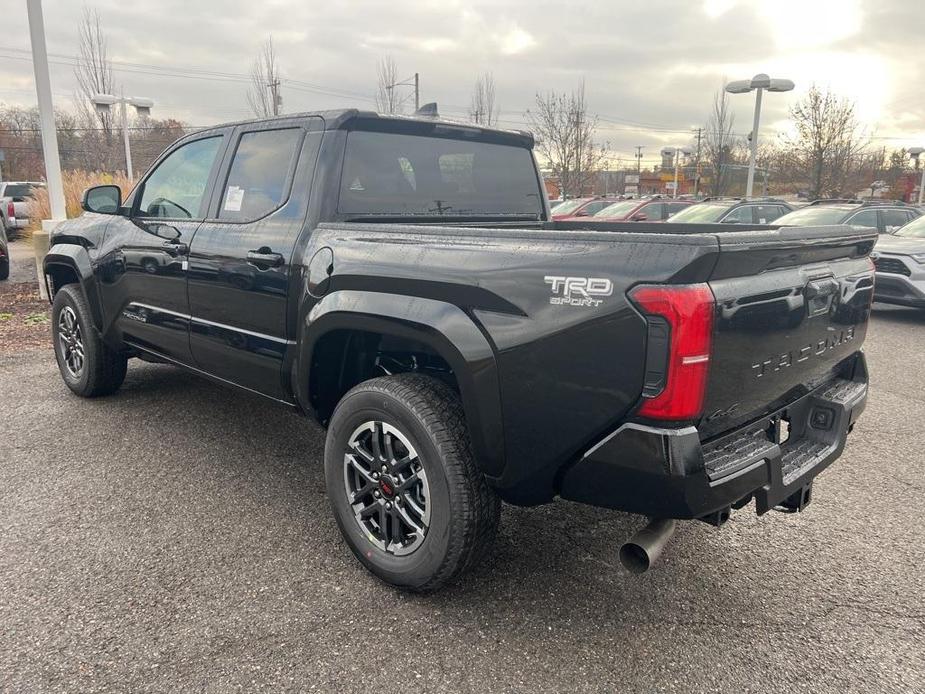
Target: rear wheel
[(4, 267), (405, 489), (88, 366)]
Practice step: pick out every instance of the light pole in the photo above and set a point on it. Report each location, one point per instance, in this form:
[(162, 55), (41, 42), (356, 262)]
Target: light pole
[(676, 152), (758, 84), (49, 139), (915, 153), (143, 105)]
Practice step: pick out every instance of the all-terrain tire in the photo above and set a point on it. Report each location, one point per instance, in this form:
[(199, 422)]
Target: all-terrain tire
[(102, 368), (464, 509)]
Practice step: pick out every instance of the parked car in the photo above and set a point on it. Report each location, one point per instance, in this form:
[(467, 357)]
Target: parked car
[(4, 255), (458, 348), (15, 198), (733, 211), (884, 216), (638, 210), (581, 207), (899, 259)]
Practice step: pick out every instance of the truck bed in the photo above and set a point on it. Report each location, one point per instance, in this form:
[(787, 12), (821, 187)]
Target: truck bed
[(570, 372)]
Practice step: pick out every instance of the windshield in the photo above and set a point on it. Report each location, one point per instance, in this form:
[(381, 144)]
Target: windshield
[(569, 206), (618, 209), (388, 174), (913, 230), (813, 215), (704, 213)]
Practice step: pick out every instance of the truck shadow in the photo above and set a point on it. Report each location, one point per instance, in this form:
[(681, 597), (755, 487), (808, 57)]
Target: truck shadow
[(551, 563)]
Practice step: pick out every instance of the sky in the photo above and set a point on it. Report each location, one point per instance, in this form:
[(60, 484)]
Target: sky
[(650, 67)]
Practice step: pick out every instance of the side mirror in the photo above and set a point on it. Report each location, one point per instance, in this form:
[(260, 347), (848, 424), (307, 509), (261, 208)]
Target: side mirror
[(102, 199), (582, 213), (164, 231), (639, 217)]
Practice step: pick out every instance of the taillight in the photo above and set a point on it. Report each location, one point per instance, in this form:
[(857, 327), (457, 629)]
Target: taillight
[(687, 313), (10, 211)]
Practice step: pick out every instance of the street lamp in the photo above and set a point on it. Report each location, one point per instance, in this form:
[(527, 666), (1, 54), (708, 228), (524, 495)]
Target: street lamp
[(915, 152), (676, 152), (143, 105), (758, 84)]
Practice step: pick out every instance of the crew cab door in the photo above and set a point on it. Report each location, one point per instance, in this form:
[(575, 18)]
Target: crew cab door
[(143, 259), (239, 265)]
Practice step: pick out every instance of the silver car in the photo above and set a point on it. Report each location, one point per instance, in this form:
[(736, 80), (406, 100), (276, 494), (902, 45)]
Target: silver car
[(900, 261)]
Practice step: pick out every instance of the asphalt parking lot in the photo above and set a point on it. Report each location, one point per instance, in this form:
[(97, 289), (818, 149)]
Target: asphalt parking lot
[(176, 537)]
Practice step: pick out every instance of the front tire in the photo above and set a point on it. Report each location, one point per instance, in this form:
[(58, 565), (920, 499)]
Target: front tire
[(403, 484), (88, 366)]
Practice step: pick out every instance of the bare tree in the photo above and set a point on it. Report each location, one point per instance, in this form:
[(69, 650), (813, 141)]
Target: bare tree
[(484, 108), (565, 139), (829, 151), (387, 99), (719, 142), (94, 76), (263, 95)]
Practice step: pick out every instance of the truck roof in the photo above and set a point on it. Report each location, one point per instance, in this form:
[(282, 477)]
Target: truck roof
[(347, 118)]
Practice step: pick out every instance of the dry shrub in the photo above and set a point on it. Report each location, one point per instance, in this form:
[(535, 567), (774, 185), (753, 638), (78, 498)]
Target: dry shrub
[(75, 183)]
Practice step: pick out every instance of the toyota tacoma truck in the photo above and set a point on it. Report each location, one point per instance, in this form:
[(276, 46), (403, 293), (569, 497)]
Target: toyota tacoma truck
[(398, 279)]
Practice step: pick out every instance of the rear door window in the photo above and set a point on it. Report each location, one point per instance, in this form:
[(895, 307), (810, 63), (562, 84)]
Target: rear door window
[(766, 214), (258, 181), (893, 219)]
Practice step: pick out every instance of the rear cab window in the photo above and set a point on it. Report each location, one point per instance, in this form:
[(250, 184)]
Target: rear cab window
[(395, 175)]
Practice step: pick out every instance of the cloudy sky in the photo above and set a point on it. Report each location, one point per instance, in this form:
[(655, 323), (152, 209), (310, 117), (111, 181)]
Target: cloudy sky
[(649, 66)]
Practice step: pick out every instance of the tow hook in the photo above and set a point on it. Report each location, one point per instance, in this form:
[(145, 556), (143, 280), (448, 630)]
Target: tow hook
[(797, 501), (642, 550)]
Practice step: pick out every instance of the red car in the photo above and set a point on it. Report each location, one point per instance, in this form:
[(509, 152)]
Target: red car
[(581, 207), (640, 210)]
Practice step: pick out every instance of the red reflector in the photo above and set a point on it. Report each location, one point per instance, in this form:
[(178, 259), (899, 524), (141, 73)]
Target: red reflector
[(688, 309)]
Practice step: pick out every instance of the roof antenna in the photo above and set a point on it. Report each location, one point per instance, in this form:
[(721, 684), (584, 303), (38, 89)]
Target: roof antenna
[(428, 110)]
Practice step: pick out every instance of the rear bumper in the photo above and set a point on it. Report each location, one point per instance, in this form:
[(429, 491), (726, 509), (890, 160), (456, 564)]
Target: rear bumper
[(668, 473)]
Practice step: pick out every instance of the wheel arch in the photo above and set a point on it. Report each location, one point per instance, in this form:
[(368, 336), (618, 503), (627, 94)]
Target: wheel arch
[(441, 328), (70, 264)]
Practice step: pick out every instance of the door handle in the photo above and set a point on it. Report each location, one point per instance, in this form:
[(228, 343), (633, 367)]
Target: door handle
[(265, 256)]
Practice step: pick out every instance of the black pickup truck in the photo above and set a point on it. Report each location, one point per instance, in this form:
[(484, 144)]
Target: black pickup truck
[(398, 280)]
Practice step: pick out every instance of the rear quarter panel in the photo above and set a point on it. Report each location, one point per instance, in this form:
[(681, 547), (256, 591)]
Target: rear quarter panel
[(566, 373)]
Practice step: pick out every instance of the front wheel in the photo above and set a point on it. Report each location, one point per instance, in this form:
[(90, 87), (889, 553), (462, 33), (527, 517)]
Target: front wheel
[(405, 489), (88, 365)]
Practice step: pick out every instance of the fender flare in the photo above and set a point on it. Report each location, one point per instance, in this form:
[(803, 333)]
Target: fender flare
[(76, 258), (443, 327)]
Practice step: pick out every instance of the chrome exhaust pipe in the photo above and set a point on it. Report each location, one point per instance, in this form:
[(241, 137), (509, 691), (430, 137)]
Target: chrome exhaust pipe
[(642, 550)]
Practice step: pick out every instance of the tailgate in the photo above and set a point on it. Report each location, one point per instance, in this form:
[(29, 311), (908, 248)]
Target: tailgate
[(792, 307)]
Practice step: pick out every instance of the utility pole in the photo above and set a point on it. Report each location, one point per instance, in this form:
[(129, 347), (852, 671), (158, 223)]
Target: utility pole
[(275, 96), (410, 82), (638, 160), (697, 170)]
